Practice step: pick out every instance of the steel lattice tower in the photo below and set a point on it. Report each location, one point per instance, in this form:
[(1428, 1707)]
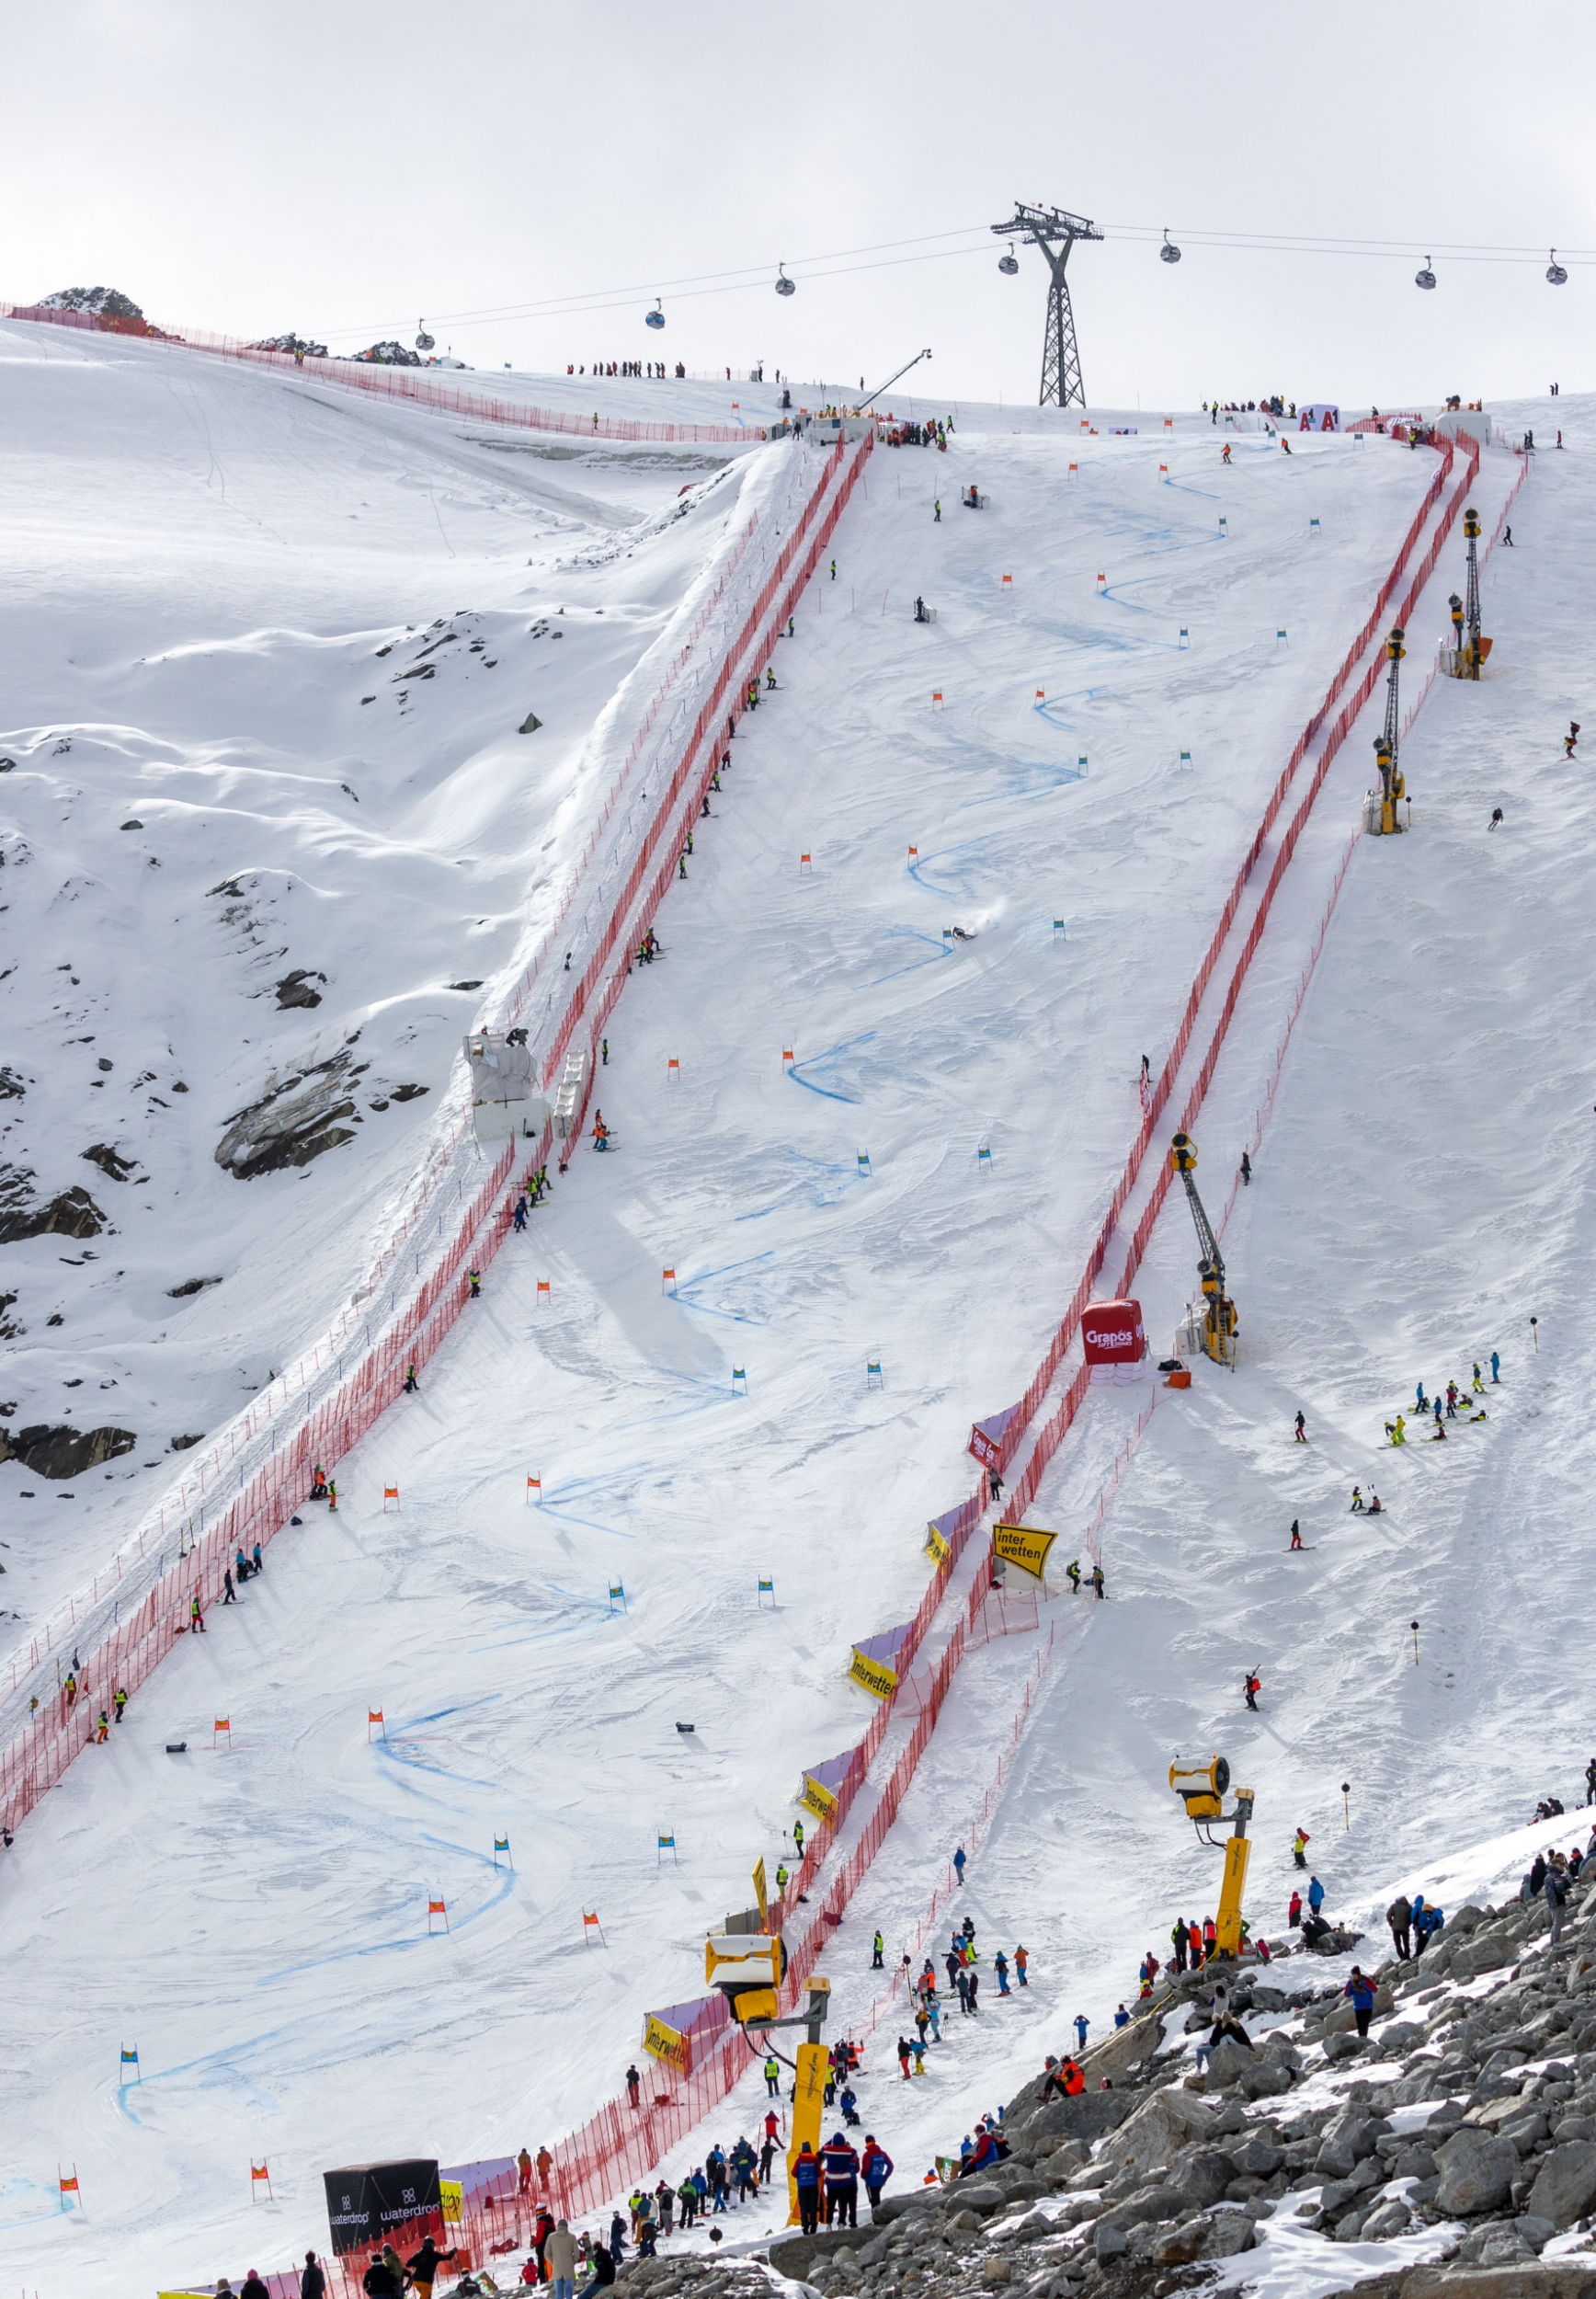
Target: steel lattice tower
[(1054, 231)]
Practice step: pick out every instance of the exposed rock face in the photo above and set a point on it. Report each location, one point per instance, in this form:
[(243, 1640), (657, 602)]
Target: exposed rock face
[(294, 990), (72, 1214), (295, 1120), (64, 1451), (111, 1161), (104, 302)]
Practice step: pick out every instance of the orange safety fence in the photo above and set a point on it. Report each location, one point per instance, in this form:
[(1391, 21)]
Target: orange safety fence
[(418, 385)]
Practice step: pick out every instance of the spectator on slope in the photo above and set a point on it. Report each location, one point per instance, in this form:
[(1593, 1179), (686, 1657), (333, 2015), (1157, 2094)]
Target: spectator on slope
[(1495, 1367), (1209, 1940), (634, 2087), (603, 2265), (1246, 1170), (1294, 1913), (560, 2258), (424, 2266), (1360, 1993), (1301, 1430), (807, 2178), (1099, 1589), (1194, 1942), (1122, 2017), (1073, 1573), (903, 2052), (1081, 2024), (840, 2166), (959, 1864), (1000, 1966), (1251, 1686), (847, 2100), (1315, 1894), (252, 2287), (379, 2282), (1178, 1942), (877, 2167), (973, 1982), (313, 2282), (1400, 1916)]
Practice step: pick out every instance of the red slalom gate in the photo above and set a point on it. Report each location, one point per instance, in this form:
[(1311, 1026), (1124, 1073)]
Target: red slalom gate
[(417, 385)]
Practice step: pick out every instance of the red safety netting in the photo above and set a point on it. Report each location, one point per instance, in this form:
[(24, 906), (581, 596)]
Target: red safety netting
[(418, 385)]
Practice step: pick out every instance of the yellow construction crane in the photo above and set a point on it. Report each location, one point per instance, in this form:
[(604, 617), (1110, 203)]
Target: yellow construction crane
[(748, 1968), (1219, 1321), (1381, 816), (1464, 658), (1203, 1787)]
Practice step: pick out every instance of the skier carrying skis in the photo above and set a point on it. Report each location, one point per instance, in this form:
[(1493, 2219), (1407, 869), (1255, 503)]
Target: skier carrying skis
[(1252, 1687)]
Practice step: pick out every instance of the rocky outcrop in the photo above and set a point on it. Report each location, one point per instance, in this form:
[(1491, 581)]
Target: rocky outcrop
[(296, 1119), (294, 990), (64, 1451), (72, 1214)]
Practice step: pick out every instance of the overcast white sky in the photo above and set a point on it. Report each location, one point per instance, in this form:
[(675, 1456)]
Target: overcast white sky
[(342, 168)]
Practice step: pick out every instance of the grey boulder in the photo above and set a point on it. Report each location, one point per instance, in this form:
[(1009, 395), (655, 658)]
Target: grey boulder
[(1476, 2172)]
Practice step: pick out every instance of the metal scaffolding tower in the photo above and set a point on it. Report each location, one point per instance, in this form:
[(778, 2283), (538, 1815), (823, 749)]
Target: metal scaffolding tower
[(1054, 231)]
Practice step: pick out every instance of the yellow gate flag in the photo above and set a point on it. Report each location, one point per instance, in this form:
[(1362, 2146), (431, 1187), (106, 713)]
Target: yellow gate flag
[(762, 1891), (1024, 1546)]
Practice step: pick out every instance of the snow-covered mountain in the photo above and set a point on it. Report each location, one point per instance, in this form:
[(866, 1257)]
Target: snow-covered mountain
[(211, 570)]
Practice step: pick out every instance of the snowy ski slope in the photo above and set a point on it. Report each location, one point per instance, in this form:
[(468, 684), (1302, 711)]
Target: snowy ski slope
[(269, 1907)]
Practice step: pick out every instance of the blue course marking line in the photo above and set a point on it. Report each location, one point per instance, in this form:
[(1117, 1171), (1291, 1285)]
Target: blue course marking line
[(415, 1940), (1181, 488), (814, 1060), (684, 1291), (939, 949), (222, 2059), (844, 1177)]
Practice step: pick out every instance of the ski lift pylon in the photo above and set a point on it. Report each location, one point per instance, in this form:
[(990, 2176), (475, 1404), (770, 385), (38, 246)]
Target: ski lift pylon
[(424, 342), (1168, 253), (784, 286), (656, 318), (1009, 264), (1555, 273), (1425, 278)]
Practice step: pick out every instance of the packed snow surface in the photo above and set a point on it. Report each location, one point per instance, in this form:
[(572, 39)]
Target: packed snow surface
[(205, 563)]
